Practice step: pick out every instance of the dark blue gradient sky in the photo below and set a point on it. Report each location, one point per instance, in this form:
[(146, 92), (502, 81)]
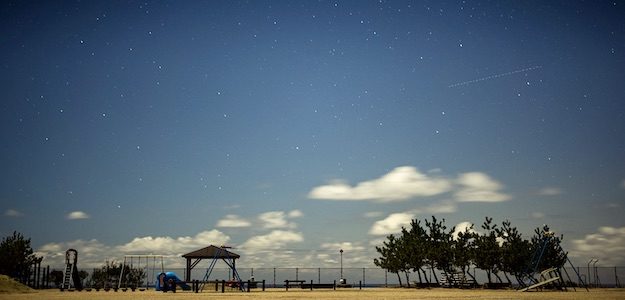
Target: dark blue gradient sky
[(123, 120)]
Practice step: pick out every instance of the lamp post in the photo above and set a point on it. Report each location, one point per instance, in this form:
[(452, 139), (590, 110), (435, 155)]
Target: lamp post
[(341, 252), (588, 270), (594, 266)]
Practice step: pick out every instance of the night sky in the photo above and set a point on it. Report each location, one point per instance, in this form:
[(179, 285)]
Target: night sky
[(303, 127)]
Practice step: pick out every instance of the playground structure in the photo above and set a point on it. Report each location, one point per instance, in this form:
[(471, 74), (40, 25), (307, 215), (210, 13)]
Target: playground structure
[(167, 281), (551, 276), (129, 260), (71, 278), (215, 254)]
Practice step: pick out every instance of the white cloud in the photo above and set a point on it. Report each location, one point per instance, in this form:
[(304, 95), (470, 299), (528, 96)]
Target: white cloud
[(77, 215), (550, 191), (275, 219), (443, 207), (607, 245), (174, 246), (295, 214), (461, 227), (400, 184), (346, 246), (233, 221), (273, 240), (408, 182), (391, 224), (13, 213), (479, 187), (93, 253)]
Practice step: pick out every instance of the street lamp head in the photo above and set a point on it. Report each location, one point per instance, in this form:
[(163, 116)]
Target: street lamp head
[(341, 250)]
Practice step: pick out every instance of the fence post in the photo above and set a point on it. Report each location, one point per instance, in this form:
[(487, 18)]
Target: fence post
[(274, 277), (363, 276), (296, 273), (287, 285), (223, 286), (319, 275), (263, 285), (385, 278), (311, 284)]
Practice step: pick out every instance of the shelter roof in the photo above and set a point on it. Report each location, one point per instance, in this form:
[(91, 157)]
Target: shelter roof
[(211, 252)]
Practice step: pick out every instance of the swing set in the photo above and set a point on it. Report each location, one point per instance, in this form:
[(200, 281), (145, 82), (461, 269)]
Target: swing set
[(143, 263)]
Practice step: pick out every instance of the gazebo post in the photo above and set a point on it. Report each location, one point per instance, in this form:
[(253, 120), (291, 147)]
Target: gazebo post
[(187, 275)]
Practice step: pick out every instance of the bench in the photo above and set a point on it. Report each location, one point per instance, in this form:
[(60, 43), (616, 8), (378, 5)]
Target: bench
[(289, 283), (458, 280)]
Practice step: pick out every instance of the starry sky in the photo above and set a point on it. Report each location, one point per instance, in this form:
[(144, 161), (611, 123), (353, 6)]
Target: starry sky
[(302, 127)]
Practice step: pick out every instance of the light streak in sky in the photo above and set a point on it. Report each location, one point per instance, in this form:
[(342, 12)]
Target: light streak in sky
[(493, 76)]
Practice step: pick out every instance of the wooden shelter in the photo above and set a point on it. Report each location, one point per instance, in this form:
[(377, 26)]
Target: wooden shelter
[(210, 252)]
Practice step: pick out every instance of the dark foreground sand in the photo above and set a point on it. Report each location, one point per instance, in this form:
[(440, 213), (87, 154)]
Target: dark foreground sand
[(370, 293)]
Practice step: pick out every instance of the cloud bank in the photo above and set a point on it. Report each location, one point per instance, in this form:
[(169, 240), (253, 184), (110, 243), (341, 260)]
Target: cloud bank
[(607, 245), (406, 182), (233, 221), (399, 184), (479, 187), (391, 224), (279, 228)]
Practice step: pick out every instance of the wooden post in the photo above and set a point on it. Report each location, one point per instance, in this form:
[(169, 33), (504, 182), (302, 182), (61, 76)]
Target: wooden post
[(216, 285), (311, 284), (360, 285), (263, 285), (287, 285), (187, 274), (248, 285), (223, 286)]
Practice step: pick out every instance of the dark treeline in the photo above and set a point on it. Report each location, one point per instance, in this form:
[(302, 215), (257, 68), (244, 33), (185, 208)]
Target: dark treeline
[(499, 250)]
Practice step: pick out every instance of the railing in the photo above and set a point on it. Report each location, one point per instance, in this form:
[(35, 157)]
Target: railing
[(595, 277)]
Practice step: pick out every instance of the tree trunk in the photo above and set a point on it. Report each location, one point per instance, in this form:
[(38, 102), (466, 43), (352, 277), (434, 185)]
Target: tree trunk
[(425, 275), (471, 275), (497, 275), (507, 278), (399, 278), (433, 272), (419, 273), (407, 278), (488, 275)]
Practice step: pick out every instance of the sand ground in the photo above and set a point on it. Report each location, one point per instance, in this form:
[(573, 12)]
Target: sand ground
[(369, 293)]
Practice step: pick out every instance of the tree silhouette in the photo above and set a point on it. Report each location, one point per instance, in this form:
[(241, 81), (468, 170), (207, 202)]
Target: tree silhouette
[(17, 257), (440, 253), (488, 257), (415, 244), (390, 256), (515, 251), (465, 250)]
